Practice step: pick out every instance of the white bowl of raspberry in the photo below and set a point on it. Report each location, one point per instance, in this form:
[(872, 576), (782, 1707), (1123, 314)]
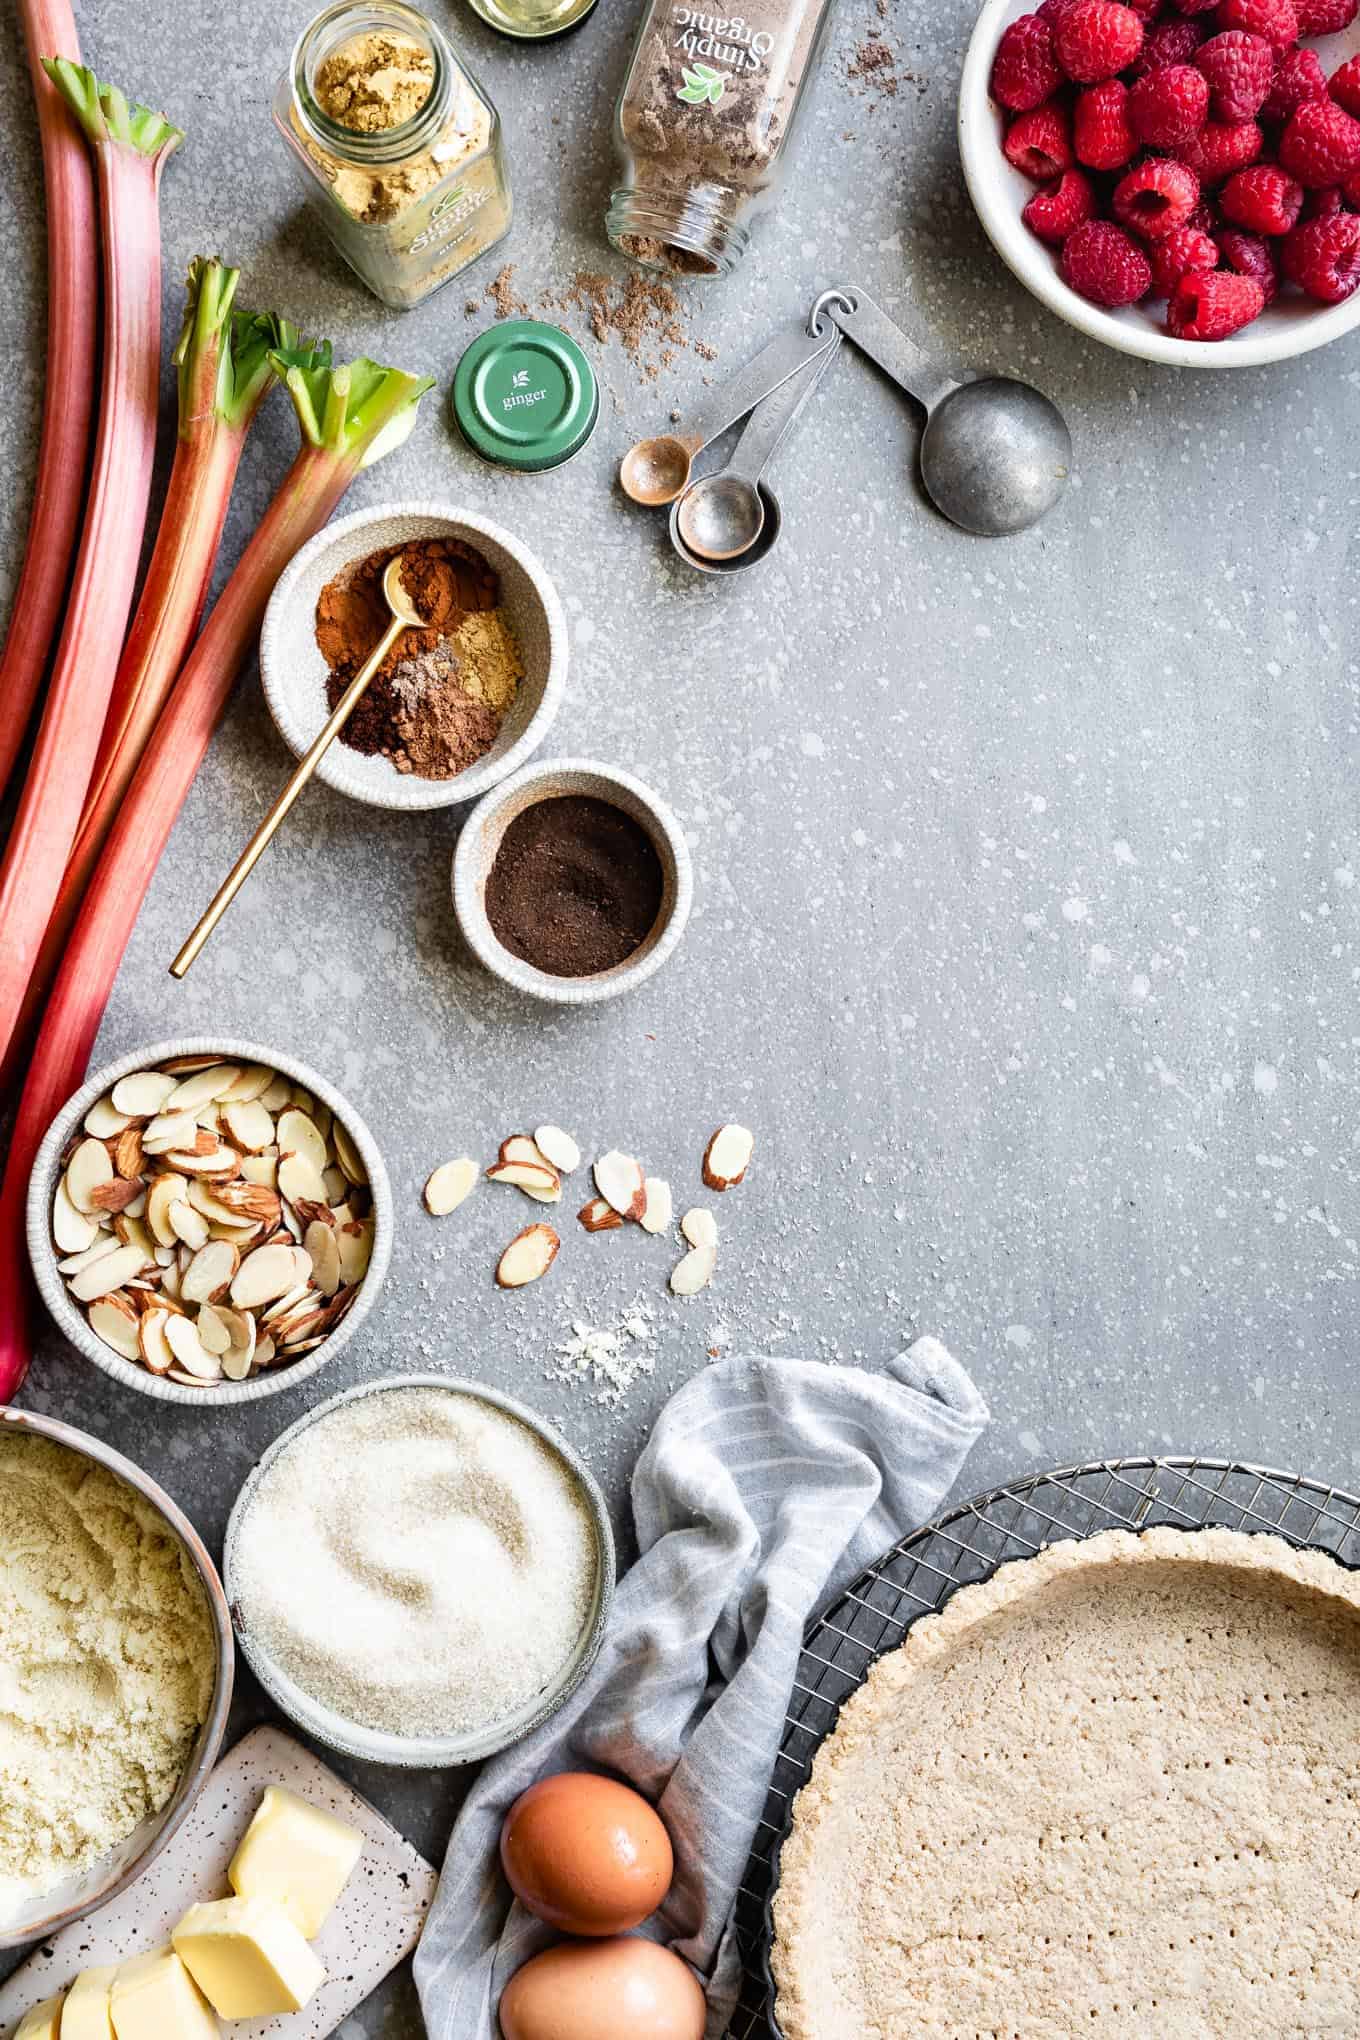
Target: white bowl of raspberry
[(1179, 179)]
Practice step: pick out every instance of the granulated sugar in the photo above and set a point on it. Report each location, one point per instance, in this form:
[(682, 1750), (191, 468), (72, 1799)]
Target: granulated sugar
[(420, 1561)]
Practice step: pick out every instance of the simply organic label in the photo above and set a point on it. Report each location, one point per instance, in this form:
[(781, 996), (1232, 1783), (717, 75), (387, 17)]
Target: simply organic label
[(728, 40), (450, 213)]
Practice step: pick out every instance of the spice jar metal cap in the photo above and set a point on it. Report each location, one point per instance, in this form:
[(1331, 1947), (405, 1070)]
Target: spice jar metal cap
[(525, 396)]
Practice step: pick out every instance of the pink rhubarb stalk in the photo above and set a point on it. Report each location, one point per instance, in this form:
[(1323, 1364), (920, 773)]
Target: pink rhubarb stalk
[(131, 146), (350, 417), (225, 372), (72, 344)]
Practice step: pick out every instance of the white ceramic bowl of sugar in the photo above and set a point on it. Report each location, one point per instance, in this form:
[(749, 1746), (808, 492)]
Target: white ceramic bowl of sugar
[(419, 1752), (294, 673)]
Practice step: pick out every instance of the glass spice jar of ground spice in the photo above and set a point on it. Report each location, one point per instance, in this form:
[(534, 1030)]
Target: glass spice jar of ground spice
[(575, 886), (703, 128), (400, 147), (437, 702)]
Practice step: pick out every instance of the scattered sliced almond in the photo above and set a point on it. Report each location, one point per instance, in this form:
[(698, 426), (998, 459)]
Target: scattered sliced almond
[(102, 1243), (449, 1184), (298, 1134), (700, 1227), (277, 1094), (728, 1157), (620, 1181), (336, 1183), (249, 1203), (133, 1231), (217, 1161), (529, 1255), (169, 1130), (88, 1167), (142, 1095), (109, 1272), (522, 1147), (537, 1179), (129, 1157), (659, 1209), (72, 1230), (236, 1363), (597, 1216), (558, 1148), (263, 1277), (103, 1122), (262, 1170), (189, 1225), (695, 1272), (165, 1191), (115, 1321), (115, 1195), (248, 1126), (251, 1083)]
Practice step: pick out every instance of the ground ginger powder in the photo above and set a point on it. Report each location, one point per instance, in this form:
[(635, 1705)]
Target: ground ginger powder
[(106, 1664), (374, 82)]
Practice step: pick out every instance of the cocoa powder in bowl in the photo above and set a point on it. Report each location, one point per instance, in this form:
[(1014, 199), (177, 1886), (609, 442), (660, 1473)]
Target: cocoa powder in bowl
[(575, 886)]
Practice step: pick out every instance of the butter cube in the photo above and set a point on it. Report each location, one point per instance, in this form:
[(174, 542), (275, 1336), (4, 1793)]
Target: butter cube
[(86, 2015), (155, 1998), (43, 2022), (295, 1853), (247, 1957)]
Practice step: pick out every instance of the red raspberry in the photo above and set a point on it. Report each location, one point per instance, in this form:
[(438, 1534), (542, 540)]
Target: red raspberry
[(1039, 144), (1325, 17), (1250, 256), (1058, 207), (1184, 248), (1025, 71), (1300, 76), (1147, 10), (1321, 144), (1206, 216), (1169, 42), (1220, 148), (1320, 205), (1169, 106), (1324, 257), (1276, 20), (1262, 199), (1240, 69), (1095, 39), (1101, 263), (1052, 11), (1344, 86), (1101, 133), (1194, 6), (1155, 197), (1210, 307), (1350, 191)]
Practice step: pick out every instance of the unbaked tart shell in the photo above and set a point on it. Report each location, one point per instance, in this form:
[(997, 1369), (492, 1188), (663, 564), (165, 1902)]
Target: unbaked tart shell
[(1112, 1789)]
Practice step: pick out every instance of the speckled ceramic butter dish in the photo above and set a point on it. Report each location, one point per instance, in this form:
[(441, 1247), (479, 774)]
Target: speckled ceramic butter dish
[(376, 1920)]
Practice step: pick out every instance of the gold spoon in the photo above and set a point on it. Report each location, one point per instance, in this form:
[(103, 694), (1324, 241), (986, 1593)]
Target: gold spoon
[(404, 617)]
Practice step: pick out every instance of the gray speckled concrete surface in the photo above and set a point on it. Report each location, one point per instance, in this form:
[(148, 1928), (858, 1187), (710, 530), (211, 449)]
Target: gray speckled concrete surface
[(1026, 929)]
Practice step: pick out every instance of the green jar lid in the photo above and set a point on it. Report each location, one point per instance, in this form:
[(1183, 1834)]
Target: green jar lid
[(525, 396)]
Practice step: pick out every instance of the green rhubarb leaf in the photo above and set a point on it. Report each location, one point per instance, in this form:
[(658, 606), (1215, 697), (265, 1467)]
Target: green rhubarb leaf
[(359, 408), (107, 115)]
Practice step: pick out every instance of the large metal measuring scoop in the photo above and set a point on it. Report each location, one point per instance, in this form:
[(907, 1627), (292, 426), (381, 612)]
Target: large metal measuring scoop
[(995, 453)]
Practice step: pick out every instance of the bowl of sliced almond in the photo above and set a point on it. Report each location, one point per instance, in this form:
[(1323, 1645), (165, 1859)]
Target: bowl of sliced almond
[(209, 1221)]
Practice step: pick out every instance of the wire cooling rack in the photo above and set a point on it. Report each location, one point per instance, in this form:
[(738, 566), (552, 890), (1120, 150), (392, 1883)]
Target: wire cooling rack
[(918, 1576)]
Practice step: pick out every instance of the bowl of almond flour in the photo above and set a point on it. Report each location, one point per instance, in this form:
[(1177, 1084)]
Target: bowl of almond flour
[(419, 1571), (116, 1664)]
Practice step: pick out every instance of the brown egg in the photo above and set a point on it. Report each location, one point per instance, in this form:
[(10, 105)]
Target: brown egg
[(603, 1990), (586, 1854)]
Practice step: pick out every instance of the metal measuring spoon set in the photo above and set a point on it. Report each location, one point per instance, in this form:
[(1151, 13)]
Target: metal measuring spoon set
[(994, 455)]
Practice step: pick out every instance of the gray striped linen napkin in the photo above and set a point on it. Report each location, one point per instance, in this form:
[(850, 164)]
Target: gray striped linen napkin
[(765, 1487)]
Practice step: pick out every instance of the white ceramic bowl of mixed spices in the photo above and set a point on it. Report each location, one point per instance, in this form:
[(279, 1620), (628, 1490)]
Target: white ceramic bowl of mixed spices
[(446, 1597), (455, 707), (209, 1221)]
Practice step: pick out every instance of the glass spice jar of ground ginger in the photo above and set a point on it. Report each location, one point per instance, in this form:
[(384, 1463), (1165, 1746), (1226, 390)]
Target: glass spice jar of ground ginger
[(703, 128), (400, 147)]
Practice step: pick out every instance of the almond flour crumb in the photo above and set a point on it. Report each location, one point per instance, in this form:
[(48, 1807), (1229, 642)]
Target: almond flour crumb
[(608, 1358)]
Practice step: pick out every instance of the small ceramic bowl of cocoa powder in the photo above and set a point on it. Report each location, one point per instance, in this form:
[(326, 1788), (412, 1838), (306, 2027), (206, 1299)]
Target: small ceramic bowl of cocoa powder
[(456, 707), (572, 882)]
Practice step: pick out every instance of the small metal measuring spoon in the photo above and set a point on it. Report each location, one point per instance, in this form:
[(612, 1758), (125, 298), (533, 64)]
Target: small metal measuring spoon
[(405, 616), (731, 519), (995, 454), (655, 471)]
